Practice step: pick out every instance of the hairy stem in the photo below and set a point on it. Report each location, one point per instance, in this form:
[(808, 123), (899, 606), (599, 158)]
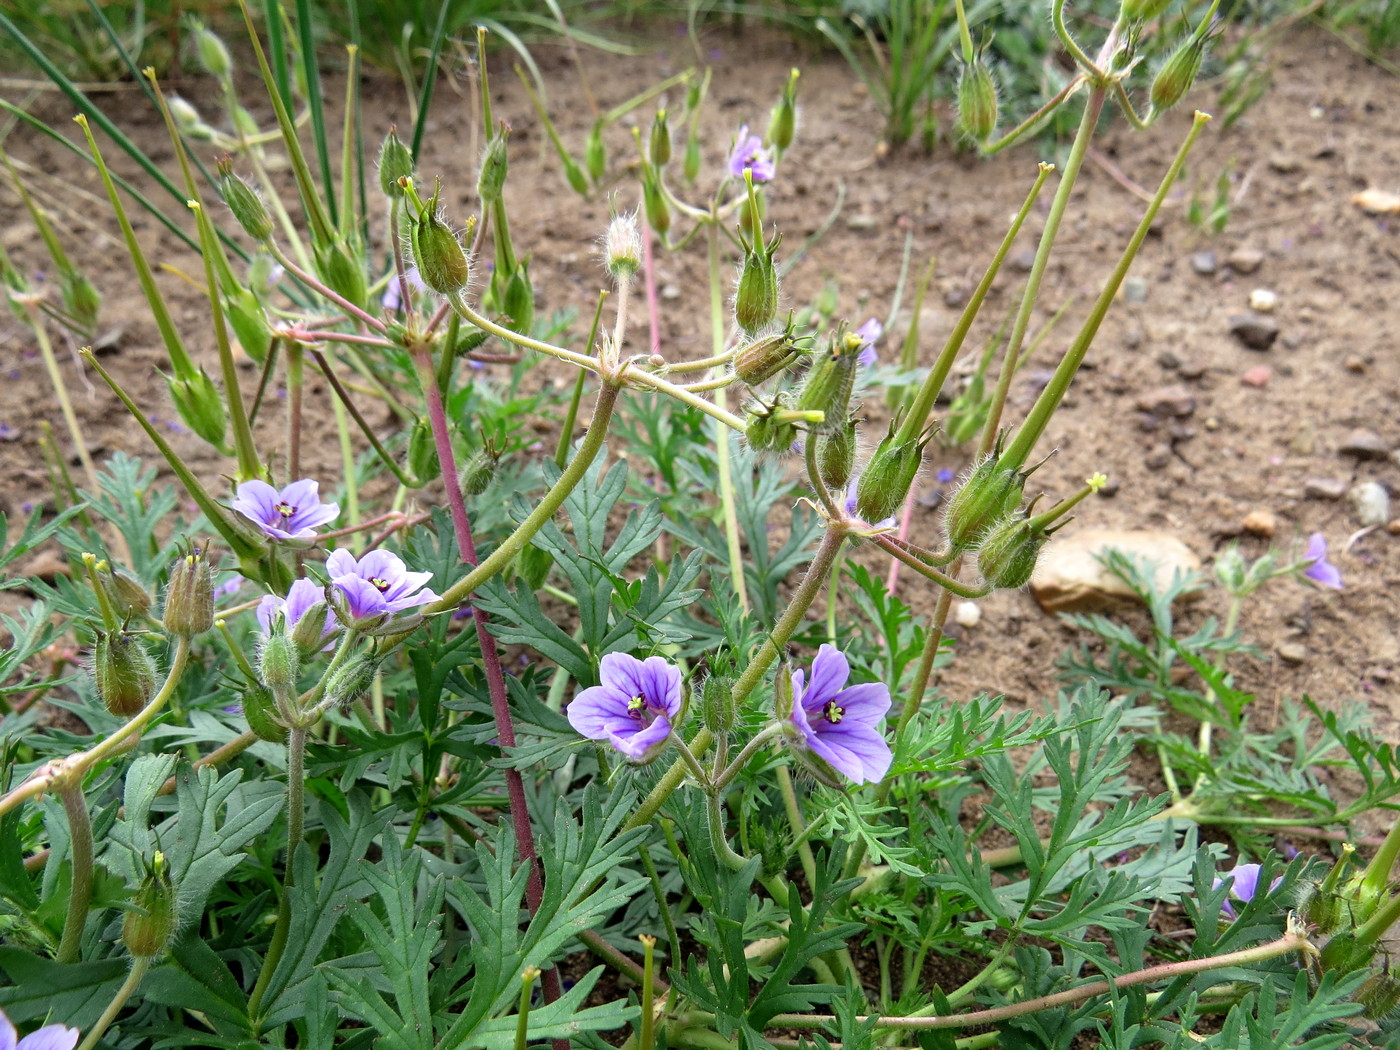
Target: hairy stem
[(79, 896)]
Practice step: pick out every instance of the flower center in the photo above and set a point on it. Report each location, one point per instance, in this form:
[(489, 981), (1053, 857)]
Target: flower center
[(379, 583), (834, 712), (284, 508), (636, 707)]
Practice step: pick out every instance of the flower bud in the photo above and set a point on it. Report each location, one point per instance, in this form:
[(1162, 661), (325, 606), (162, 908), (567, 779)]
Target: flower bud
[(247, 207), (836, 456), (129, 597), (479, 470), (189, 598), (198, 402), (990, 494), (395, 163), (309, 632), (1178, 73), (578, 182), (340, 263), (1345, 953), (81, 298), (518, 302), (422, 451), (756, 303), (1379, 996), (495, 162), (188, 120), (260, 711), (659, 142), (658, 212), (1326, 907), (595, 154), (691, 165), (249, 323), (783, 122), (442, 264), (1007, 556), (622, 246), (150, 922), (885, 482), (717, 704), (767, 430), (977, 101), (831, 379), (351, 680), (279, 663), (124, 673), (767, 357), (533, 564), (213, 53)]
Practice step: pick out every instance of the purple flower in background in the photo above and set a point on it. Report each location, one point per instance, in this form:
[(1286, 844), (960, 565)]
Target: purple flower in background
[(749, 154), (300, 598), (634, 706), (839, 723), (376, 585), (869, 334), (1244, 886), (1321, 571), (50, 1037), (228, 588), (945, 475), (291, 514)]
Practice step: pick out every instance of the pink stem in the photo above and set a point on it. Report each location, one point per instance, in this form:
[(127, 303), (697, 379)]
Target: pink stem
[(905, 518), (649, 282)]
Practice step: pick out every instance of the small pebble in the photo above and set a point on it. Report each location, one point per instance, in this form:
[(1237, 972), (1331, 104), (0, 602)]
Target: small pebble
[(1159, 457), (670, 291), (1354, 364), (1364, 443), (1370, 503), (968, 614), (1109, 489), (1245, 260), (1393, 527), (1191, 369), (1260, 523), (1204, 263), (1292, 652), (1324, 488), (1303, 440), (1257, 377), (1254, 330), (1168, 401), (1023, 260), (862, 222), (1263, 300)]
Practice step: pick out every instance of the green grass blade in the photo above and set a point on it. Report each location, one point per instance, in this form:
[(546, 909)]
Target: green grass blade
[(425, 97), (314, 102)]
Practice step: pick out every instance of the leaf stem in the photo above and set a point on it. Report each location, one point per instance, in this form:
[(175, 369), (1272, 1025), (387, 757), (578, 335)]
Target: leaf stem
[(139, 966), (80, 895)]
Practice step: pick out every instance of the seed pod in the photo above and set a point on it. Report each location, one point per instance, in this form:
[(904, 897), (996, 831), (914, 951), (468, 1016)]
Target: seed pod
[(198, 402), (495, 162), (836, 456), (659, 142), (1007, 556), (885, 482), (422, 451), (213, 53), (767, 357), (595, 154), (247, 207), (442, 264), (189, 598), (395, 163), (124, 673), (989, 494), (756, 302), (129, 598), (654, 202), (150, 922), (830, 381), (279, 663), (1178, 73), (351, 680), (977, 101), (260, 711)]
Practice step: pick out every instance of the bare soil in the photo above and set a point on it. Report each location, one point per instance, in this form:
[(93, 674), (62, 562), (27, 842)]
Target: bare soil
[(1325, 131)]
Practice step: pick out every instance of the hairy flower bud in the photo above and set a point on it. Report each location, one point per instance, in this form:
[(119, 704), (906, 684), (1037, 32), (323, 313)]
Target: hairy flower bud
[(766, 357), (80, 297), (442, 264), (422, 451), (1379, 996), (659, 142), (836, 456), (1178, 73), (129, 597), (518, 302), (189, 598), (260, 711), (340, 263), (622, 246), (533, 564), (782, 124), (124, 673), (577, 180), (977, 101), (198, 402), (1345, 953), (767, 430), (309, 632), (279, 663), (249, 323), (495, 162), (658, 212), (351, 680), (150, 922), (395, 163), (1008, 553), (213, 53), (1143, 10), (480, 468), (990, 494), (756, 302), (247, 207), (717, 704), (188, 120), (690, 166), (831, 379)]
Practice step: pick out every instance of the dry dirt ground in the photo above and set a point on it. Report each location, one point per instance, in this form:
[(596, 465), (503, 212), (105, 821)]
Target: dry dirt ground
[(1324, 132)]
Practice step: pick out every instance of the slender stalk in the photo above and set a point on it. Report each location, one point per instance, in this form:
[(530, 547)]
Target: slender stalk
[(139, 966), (60, 388), (296, 818), (673, 941), (646, 1029), (726, 474), (798, 825), (295, 372), (722, 778), (522, 1023), (80, 895)]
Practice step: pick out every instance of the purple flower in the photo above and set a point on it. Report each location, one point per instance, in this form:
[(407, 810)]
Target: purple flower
[(839, 724), (228, 588), (1320, 570), (376, 585), (634, 706), (869, 334), (749, 154), (50, 1037), (292, 514), (300, 598), (945, 475), (1243, 887)]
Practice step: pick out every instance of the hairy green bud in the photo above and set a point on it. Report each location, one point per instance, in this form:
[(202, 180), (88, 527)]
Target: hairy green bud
[(782, 124), (260, 711), (831, 379), (1346, 953), (351, 680), (124, 673), (129, 597), (690, 166), (595, 154), (1006, 559), (659, 142), (767, 430), (885, 482), (1178, 73), (1379, 996), (532, 564), (279, 663), (990, 494), (479, 470), (150, 922), (340, 263), (717, 704), (654, 202), (518, 302), (309, 632), (422, 451), (442, 264), (200, 405), (247, 207), (836, 456), (213, 53), (578, 182), (1143, 10), (395, 163), (977, 101), (249, 323), (495, 163), (189, 598), (622, 246), (80, 297), (756, 302), (768, 356)]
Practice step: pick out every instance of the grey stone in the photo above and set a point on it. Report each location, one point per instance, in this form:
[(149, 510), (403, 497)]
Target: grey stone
[(1370, 503), (1158, 457), (1254, 330), (1364, 443), (1204, 263), (1245, 260), (1168, 401), (1324, 488), (1023, 260), (1291, 652)]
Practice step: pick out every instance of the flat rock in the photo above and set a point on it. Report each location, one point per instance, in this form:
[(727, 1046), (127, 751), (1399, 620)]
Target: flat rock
[(1291, 652), (1260, 523), (1364, 443), (1204, 263), (1245, 259), (1168, 401), (1324, 488), (1070, 578), (1370, 503), (1254, 330)]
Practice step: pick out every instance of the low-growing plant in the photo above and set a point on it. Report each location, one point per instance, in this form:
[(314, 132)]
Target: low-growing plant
[(342, 773)]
